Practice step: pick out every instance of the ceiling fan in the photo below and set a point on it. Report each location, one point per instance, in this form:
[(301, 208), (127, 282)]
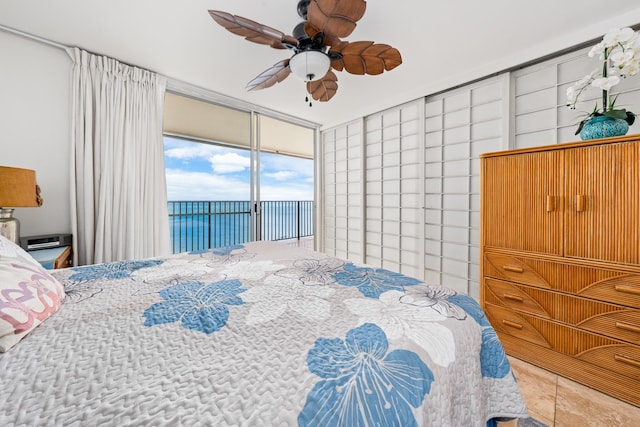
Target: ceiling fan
[(317, 46)]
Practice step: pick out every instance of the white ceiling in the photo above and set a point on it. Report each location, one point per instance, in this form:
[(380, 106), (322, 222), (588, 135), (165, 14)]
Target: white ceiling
[(443, 43)]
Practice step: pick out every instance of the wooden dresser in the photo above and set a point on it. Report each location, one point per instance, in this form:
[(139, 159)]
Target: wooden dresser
[(560, 259)]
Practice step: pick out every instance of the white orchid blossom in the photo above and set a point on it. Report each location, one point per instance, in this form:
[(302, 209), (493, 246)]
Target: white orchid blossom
[(585, 80), (574, 92), (617, 36), (631, 68), (605, 83), (597, 50), (621, 58), (572, 95)]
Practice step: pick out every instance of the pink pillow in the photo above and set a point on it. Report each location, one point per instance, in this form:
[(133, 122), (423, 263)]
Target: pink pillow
[(28, 296)]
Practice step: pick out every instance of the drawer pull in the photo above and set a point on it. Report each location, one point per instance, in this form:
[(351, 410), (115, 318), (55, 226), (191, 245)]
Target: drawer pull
[(628, 327), (512, 324), (513, 297), (627, 290), (550, 204), (513, 269), (627, 360), (580, 203)]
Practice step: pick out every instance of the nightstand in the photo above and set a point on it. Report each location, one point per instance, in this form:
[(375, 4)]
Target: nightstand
[(53, 258)]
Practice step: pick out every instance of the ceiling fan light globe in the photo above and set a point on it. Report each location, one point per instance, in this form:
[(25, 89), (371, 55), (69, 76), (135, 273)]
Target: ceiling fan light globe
[(309, 65)]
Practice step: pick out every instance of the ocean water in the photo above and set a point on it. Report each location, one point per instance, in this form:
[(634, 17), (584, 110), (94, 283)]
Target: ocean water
[(198, 225)]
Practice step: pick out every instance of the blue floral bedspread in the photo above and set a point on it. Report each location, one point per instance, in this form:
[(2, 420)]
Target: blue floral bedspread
[(261, 334)]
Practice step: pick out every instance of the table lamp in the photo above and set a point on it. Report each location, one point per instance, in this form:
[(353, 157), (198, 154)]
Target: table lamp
[(18, 189)]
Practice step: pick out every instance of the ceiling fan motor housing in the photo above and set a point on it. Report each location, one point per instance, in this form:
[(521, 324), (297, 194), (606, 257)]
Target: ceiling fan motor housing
[(303, 5)]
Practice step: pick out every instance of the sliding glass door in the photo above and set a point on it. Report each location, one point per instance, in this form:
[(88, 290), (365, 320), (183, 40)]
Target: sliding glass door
[(208, 189), (230, 186)]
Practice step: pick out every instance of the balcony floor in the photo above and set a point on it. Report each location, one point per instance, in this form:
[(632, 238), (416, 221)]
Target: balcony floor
[(303, 242)]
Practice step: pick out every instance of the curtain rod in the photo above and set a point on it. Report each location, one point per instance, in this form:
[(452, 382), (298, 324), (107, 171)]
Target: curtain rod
[(183, 88), (32, 37), (56, 44)]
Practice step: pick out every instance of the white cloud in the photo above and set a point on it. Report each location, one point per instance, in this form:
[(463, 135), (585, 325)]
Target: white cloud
[(281, 176), (185, 185), (290, 192), (274, 162), (229, 162), (284, 177), (191, 151)]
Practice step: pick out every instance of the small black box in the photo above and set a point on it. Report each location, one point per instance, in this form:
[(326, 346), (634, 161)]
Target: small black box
[(45, 241)]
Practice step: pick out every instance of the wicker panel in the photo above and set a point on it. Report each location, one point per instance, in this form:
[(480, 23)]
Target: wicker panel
[(603, 195), (522, 207), (617, 385)]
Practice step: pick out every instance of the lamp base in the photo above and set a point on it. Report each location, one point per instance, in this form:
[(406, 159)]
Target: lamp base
[(9, 226)]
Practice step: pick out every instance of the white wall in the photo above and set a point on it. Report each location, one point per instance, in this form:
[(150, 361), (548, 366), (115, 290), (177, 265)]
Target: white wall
[(34, 126)]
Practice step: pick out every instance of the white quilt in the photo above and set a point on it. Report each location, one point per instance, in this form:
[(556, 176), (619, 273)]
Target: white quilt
[(261, 334)]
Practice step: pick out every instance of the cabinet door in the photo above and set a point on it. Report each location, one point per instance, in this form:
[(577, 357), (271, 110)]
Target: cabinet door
[(522, 203), (603, 202)]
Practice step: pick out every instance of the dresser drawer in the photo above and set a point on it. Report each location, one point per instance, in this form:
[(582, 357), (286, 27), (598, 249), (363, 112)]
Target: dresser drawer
[(623, 325), (589, 282), (620, 358), (520, 298), (503, 266), (604, 352), (513, 323), (615, 321)]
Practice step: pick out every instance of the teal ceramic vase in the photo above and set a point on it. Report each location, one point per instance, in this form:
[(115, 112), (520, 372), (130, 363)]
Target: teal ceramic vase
[(603, 127)]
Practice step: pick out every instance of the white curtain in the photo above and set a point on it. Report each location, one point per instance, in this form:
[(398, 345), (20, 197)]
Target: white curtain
[(118, 186)]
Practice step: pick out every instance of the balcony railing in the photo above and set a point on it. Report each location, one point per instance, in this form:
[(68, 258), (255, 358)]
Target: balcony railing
[(199, 225)]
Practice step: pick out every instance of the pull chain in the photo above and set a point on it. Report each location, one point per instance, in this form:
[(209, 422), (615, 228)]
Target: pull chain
[(306, 99)]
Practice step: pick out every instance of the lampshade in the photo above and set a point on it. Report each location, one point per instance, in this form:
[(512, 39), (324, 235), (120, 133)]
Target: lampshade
[(18, 188), (309, 65)]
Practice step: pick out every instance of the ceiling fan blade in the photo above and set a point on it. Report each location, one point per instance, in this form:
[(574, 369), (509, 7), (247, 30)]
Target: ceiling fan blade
[(273, 75), (365, 57), (323, 90), (335, 17), (253, 31)]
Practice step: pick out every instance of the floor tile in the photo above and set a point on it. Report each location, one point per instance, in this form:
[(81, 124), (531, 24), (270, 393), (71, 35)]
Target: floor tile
[(538, 387), (577, 405)]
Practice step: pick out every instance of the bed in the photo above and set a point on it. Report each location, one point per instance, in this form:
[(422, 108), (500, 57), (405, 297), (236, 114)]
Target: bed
[(259, 334)]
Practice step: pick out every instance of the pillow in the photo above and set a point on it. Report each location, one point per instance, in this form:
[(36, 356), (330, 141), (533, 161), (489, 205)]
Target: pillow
[(11, 250), (28, 294)]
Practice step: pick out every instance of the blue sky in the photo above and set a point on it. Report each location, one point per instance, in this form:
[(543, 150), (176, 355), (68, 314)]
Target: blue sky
[(197, 171)]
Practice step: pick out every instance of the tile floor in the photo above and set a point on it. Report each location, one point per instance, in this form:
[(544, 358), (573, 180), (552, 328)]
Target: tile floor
[(559, 402)]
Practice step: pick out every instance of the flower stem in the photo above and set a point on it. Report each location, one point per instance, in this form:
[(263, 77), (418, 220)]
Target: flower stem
[(605, 97)]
